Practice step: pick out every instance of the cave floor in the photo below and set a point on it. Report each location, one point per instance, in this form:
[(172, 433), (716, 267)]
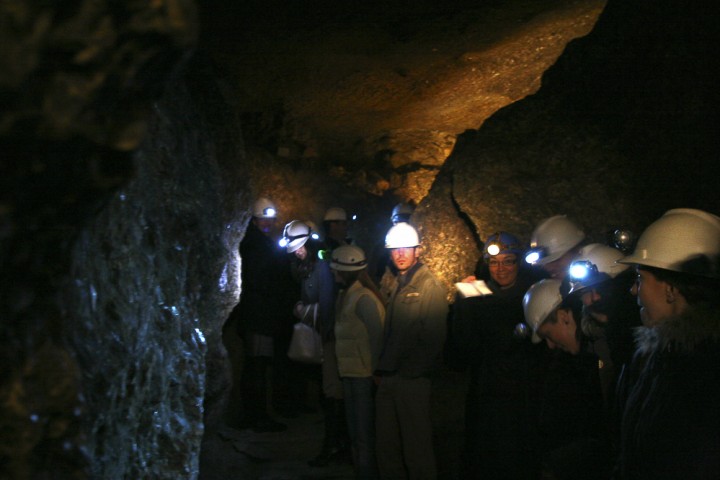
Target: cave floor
[(242, 454)]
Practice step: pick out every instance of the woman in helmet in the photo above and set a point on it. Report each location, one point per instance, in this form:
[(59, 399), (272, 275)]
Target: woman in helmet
[(671, 419), (501, 365), (359, 335), (318, 292)]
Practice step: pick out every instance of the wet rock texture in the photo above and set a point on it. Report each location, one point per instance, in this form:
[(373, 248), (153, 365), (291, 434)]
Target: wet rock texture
[(621, 130), (121, 209)]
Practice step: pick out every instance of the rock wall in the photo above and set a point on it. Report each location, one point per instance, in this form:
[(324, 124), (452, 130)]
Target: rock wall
[(621, 130), (122, 203), (155, 276)]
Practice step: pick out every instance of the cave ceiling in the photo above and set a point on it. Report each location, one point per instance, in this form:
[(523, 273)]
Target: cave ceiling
[(354, 81)]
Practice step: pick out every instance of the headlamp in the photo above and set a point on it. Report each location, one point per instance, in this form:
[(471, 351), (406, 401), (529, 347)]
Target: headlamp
[(624, 240), (283, 242), (314, 236), (269, 212), (535, 254), (496, 246), (581, 275), (582, 269)]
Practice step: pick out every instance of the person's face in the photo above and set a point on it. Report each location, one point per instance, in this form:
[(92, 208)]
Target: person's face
[(265, 225), (338, 278), (301, 253), (404, 258), (561, 334), (652, 298), (338, 229), (590, 298), (504, 269), (558, 268)]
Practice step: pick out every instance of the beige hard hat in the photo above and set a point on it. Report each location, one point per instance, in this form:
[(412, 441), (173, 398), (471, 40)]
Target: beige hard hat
[(554, 237), (264, 208), (541, 299), (348, 258), (680, 235)]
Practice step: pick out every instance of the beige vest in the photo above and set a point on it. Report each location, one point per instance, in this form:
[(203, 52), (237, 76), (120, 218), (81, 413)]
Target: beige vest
[(352, 345)]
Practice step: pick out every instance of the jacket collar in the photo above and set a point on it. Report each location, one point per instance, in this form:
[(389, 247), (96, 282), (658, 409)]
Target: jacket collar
[(685, 333), (408, 276)]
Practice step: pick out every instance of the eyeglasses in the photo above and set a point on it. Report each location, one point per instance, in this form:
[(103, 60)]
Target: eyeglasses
[(508, 262)]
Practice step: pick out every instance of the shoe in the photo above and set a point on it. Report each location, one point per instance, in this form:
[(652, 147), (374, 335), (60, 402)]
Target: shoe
[(268, 425)]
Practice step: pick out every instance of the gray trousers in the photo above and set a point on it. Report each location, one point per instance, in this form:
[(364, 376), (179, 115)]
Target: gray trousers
[(404, 444)]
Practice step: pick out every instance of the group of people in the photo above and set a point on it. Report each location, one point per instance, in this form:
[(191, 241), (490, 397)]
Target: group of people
[(595, 361), (584, 360)]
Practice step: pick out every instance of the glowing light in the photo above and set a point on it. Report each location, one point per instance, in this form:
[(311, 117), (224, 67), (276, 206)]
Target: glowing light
[(579, 270), (493, 249), (532, 257), (269, 212), (283, 242), (315, 236)]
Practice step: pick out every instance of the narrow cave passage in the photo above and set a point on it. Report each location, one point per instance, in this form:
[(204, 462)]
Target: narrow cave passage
[(135, 139)]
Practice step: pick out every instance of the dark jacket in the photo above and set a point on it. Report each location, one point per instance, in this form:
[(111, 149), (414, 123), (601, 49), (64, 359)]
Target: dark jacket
[(505, 373), (318, 286), (671, 420), (265, 299)]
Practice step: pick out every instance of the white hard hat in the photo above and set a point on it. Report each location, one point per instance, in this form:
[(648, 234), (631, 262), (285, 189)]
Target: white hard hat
[(348, 258), (335, 214), (401, 212), (541, 299), (264, 208), (314, 232), (680, 235), (295, 234), (595, 263), (553, 238), (402, 235)]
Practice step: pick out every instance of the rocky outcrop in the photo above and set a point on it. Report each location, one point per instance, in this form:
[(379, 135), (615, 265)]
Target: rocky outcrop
[(621, 130), (123, 201)]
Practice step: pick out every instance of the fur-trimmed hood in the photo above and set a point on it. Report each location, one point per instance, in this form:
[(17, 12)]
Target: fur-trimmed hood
[(697, 325)]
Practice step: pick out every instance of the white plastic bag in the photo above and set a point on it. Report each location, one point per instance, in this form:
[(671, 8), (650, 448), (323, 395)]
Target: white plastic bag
[(306, 343)]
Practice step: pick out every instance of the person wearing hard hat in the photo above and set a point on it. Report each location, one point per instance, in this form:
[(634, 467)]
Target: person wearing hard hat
[(258, 318), (415, 329), (358, 343), (318, 294), (380, 256), (609, 311), (554, 244), (504, 368), (335, 226), (671, 391), (401, 213), (571, 416)]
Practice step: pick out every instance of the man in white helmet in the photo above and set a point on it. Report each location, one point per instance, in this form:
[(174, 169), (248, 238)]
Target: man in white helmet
[(415, 332), (555, 243), (571, 415), (609, 311)]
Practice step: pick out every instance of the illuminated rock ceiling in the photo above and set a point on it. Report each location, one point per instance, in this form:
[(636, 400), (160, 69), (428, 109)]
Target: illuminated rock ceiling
[(383, 85)]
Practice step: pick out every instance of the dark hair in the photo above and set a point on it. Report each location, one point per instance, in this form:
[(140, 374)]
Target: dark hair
[(694, 288), (363, 277)]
